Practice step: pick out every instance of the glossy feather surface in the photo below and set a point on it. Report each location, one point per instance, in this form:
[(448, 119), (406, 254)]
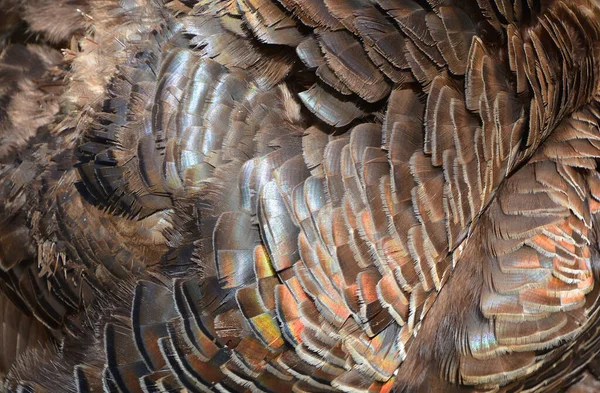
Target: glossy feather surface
[(303, 196)]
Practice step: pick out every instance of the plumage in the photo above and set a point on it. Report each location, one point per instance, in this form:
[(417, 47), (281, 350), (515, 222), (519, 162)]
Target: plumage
[(299, 195)]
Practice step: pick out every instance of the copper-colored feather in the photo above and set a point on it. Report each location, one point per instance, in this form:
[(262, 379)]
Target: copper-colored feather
[(299, 195)]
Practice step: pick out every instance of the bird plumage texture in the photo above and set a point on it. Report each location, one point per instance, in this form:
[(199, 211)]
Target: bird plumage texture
[(299, 195)]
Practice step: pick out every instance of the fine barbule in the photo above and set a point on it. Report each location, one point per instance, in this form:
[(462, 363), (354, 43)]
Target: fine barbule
[(362, 196)]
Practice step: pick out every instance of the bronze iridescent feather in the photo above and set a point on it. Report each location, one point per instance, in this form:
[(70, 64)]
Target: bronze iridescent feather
[(299, 196)]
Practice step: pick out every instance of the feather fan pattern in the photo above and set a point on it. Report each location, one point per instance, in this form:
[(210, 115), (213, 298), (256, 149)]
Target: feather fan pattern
[(362, 196)]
